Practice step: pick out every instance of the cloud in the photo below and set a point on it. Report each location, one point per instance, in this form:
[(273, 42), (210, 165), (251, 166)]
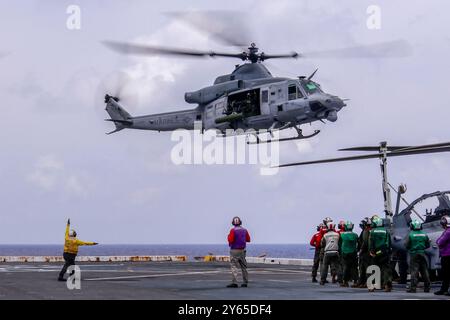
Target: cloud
[(74, 185), (47, 170), (51, 175), (144, 195)]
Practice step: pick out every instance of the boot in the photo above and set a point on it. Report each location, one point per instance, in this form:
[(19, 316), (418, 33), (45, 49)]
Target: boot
[(322, 283), (387, 288), (232, 285), (314, 280), (333, 279), (411, 290), (344, 284), (440, 293)]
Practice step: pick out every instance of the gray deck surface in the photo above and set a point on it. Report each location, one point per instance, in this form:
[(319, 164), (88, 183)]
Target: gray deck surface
[(178, 280)]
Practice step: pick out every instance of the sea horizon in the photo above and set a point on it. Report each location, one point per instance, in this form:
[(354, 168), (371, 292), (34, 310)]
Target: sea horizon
[(300, 251)]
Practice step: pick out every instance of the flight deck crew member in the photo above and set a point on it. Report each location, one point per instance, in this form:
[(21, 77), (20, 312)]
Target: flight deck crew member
[(443, 243), (71, 245), (333, 270), (330, 246), (363, 249), (315, 242), (237, 240), (348, 244), (416, 243), (380, 251), (321, 253), (340, 274)]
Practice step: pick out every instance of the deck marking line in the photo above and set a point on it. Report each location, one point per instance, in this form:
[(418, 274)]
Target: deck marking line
[(152, 276)]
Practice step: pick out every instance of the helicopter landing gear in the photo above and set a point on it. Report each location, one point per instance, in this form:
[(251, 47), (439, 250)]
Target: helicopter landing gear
[(299, 136)]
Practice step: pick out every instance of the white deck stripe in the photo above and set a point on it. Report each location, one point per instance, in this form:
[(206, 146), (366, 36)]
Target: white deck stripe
[(152, 276)]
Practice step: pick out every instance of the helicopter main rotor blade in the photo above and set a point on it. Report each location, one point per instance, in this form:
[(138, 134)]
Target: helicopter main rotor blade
[(229, 27), (373, 156), (391, 49), (129, 48), (264, 56)]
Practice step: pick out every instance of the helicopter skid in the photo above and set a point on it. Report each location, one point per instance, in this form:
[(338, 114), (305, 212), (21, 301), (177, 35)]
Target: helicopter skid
[(299, 137)]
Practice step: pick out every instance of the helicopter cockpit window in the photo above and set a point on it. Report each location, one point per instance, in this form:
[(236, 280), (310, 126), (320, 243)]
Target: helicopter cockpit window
[(294, 92), (310, 87)]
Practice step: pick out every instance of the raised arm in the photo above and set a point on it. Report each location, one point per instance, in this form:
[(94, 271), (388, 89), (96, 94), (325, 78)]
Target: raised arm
[(67, 229)]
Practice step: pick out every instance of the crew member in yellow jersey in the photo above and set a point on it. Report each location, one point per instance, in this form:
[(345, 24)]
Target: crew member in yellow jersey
[(71, 245)]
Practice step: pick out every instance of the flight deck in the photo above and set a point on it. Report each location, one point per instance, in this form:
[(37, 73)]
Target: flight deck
[(179, 280)]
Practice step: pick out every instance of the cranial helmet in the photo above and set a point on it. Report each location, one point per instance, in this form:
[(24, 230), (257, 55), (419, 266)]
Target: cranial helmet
[(236, 221), (326, 220), (445, 221), (349, 226), (377, 222), (341, 224), (72, 233), (365, 222), (330, 225), (415, 225)]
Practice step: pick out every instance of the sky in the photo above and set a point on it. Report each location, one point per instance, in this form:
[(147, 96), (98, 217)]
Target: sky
[(57, 163)]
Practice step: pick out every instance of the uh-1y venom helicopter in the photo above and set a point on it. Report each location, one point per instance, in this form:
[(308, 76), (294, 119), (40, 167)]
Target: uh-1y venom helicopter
[(249, 97), (398, 222)]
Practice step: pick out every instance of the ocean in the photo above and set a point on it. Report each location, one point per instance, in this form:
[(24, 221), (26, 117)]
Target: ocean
[(302, 251)]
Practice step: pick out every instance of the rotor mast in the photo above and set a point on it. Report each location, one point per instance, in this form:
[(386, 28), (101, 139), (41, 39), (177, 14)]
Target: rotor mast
[(385, 182)]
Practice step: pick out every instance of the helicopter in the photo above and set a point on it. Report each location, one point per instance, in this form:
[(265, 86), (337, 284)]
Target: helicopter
[(398, 222), (250, 98)]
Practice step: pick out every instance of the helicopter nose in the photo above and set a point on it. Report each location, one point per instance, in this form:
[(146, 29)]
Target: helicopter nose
[(334, 102)]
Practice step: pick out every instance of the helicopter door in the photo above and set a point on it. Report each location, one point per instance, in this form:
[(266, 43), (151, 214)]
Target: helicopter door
[(265, 101)]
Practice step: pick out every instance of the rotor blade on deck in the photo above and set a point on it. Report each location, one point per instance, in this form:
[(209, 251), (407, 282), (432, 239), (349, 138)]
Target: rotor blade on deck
[(396, 148), (434, 145), (391, 49), (389, 148), (129, 48), (361, 157), (412, 151), (373, 156)]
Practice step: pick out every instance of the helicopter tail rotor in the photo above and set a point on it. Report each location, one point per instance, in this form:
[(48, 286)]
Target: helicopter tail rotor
[(118, 114)]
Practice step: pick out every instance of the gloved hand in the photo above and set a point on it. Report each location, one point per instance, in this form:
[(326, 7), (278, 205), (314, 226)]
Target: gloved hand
[(68, 221), (95, 243)]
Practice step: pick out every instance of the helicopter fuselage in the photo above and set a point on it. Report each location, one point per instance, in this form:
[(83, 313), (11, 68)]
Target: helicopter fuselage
[(241, 101)]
